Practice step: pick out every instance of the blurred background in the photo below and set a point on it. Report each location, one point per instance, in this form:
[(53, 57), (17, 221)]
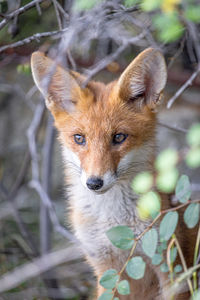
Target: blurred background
[(39, 257)]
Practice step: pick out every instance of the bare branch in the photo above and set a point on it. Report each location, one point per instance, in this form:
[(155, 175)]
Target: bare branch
[(108, 59), (38, 266), (184, 87), (175, 128), (57, 14), (34, 37), (19, 11), (54, 219)]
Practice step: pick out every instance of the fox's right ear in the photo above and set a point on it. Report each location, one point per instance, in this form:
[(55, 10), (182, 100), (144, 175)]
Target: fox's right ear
[(144, 79), (59, 87)]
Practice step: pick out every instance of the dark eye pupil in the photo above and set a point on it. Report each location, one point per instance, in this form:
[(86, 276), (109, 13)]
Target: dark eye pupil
[(79, 139), (119, 138)]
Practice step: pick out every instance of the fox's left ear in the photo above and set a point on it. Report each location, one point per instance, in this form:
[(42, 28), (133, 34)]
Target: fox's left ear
[(61, 88), (144, 79)]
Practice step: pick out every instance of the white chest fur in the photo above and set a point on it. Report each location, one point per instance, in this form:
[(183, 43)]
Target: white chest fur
[(102, 212)]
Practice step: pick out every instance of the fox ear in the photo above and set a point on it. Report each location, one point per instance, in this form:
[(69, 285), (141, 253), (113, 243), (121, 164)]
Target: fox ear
[(59, 87), (144, 79)]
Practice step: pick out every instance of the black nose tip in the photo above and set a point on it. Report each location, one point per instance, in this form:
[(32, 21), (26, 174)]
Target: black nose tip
[(94, 183)]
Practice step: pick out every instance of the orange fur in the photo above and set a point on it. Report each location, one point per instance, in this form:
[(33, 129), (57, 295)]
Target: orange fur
[(99, 112)]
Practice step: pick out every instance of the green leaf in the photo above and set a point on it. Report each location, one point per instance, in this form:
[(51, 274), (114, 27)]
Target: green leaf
[(168, 225), (168, 27), (193, 135), (162, 246), (178, 268), (121, 237), (166, 180), (196, 295), (173, 254), (107, 295), (166, 160), (191, 215), (149, 242), (183, 189), (157, 259), (109, 279), (164, 268), (149, 205), (142, 182), (192, 13), (84, 4), (136, 267), (193, 158), (123, 287), (147, 5), (129, 3)]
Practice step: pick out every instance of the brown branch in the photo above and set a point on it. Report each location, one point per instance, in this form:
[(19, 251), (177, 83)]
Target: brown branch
[(184, 87), (38, 266), (161, 213), (175, 128), (19, 11), (110, 58), (34, 37), (57, 14), (35, 182)]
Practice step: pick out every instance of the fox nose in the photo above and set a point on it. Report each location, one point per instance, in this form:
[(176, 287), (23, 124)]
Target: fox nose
[(94, 183)]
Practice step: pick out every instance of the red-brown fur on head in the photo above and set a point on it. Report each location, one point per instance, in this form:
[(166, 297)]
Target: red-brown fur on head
[(100, 111)]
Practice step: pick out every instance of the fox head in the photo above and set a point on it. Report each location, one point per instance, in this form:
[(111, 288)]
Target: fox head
[(107, 131)]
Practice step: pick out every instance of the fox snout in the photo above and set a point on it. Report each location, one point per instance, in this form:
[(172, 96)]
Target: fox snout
[(94, 183), (98, 183)]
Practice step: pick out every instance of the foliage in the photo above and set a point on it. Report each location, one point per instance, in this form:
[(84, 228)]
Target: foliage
[(162, 23), (162, 243)]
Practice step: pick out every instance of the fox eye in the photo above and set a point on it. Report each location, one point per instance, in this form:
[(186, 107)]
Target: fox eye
[(119, 138), (79, 139)]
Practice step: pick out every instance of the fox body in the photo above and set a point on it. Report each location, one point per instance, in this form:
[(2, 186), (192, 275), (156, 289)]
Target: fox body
[(107, 133)]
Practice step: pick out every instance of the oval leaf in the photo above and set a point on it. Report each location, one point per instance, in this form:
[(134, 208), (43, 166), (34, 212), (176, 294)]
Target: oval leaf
[(149, 205), (193, 135), (173, 254), (123, 287), (193, 158), (157, 259), (178, 268), (107, 295), (191, 215), (166, 180), (109, 279), (121, 237), (136, 267), (166, 160), (164, 268), (168, 225), (142, 182), (149, 242), (183, 189)]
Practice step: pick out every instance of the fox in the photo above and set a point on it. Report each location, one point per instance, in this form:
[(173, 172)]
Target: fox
[(107, 134)]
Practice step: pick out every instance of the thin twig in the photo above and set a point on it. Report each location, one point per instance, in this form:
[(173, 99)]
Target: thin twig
[(183, 263), (175, 128), (38, 266), (18, 12), (161, 213), (34, 37), (57, 14), (110, 58), (22, 227), (184, 87)]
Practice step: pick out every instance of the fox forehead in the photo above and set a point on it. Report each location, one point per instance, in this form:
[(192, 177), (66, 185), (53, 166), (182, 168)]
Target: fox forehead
[(105, 115)]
